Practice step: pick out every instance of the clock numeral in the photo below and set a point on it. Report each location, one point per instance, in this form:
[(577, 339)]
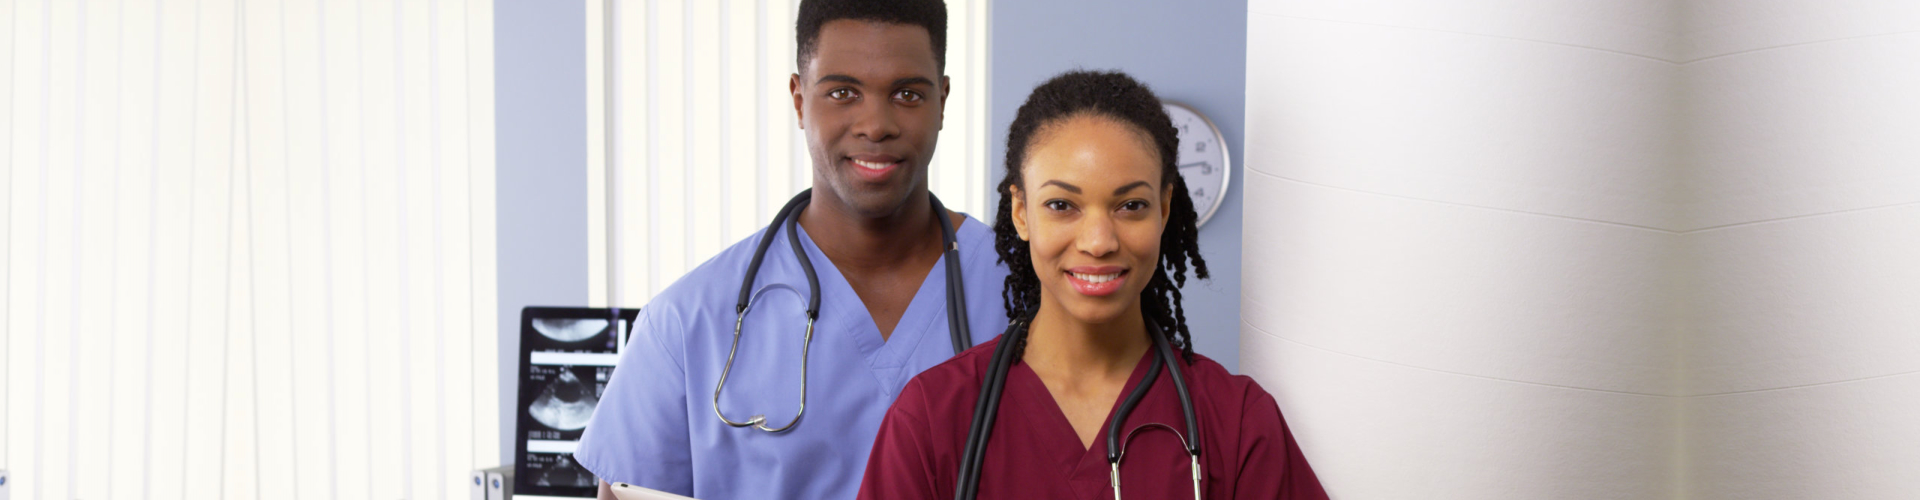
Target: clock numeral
[(1199, 192), (1200, 147)]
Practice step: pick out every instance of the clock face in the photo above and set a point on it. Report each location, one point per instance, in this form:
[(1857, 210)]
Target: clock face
[(1203, 159)]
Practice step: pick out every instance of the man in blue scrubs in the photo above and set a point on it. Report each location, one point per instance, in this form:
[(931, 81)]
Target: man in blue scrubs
[(870, 94)]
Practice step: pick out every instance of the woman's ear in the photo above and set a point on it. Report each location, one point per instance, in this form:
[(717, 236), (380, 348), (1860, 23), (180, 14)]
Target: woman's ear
[(1019, 205), (1166, 205)]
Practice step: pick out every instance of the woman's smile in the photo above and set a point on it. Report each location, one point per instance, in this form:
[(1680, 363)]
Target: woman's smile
[(1097, 281)]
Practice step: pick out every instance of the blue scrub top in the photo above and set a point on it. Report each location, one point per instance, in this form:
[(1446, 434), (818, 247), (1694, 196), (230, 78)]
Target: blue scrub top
[(655, 425)]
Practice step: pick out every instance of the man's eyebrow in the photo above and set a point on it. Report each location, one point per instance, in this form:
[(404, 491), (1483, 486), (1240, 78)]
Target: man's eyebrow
[(838, 78), (1129, 187), (913, 80), (1069, 187)]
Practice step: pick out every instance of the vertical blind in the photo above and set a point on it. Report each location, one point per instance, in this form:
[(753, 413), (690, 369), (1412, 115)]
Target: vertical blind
[(704, 143), (248, 248)]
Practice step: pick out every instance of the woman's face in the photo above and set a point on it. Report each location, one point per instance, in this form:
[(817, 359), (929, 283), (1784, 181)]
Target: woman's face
[(1091, 209)]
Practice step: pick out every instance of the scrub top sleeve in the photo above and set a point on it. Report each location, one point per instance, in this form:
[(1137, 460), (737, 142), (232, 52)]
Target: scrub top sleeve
[(639, 431), (902, 463), (1271, 464)]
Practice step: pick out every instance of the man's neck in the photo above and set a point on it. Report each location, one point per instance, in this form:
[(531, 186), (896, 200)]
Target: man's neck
[(864, 243)]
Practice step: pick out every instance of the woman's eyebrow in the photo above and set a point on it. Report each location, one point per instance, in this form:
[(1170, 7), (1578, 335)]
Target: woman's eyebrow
[(1069, 187), (1129, 187)]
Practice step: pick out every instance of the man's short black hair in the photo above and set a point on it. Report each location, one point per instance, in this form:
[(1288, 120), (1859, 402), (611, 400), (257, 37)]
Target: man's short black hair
[(929, 14)]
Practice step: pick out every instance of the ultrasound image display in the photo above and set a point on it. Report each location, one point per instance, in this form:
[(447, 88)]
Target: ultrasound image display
[(567, 402), (567, 357)]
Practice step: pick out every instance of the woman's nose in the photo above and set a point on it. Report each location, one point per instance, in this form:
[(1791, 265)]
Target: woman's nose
[(1096, 236)]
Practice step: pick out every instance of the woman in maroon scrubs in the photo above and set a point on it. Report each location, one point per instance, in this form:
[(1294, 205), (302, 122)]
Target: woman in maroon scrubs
[(1097, 231)]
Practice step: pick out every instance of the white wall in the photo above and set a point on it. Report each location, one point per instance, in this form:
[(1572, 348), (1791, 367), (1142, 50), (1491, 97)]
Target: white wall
[(1803, 365), (1588, 249), (1468, 227)]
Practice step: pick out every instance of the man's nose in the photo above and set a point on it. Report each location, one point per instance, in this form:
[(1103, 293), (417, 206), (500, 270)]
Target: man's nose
[(875, 121)]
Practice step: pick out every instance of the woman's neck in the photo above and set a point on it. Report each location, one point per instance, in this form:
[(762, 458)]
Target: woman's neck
[(1060, 345)]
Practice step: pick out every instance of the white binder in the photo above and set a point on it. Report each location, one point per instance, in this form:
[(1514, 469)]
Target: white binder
[(476, 485), (499, 483), (488, 484)]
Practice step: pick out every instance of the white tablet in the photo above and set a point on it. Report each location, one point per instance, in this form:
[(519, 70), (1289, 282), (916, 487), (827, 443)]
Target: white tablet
[(624, 491)]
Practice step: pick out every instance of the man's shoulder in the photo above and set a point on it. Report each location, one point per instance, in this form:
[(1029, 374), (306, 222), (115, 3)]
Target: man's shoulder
[(713, 285), (977, 250)]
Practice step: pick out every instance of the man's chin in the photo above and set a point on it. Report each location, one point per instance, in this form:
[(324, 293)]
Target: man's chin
[(871, 200)]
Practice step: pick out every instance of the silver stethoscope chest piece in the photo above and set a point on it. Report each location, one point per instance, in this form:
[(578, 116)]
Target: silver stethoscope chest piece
[(759, 421), (790, 216)]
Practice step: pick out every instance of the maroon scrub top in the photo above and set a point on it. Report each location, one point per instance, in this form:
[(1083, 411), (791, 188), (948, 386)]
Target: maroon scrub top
[(1246, 448)]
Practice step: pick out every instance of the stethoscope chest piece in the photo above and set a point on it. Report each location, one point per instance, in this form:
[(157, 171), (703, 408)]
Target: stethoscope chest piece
[(759, 421), (790, 216)]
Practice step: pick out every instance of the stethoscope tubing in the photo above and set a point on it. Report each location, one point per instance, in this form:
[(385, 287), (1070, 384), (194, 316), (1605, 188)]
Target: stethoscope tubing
[(957, 323), (959, 331), (987, 407)]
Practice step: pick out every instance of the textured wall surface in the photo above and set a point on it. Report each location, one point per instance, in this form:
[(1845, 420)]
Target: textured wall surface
[(1803, 367), (1467, 232), (1591, 249)]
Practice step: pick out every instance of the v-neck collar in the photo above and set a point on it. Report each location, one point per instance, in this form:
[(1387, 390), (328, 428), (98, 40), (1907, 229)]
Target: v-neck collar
[(1089, 471), (886, 358)]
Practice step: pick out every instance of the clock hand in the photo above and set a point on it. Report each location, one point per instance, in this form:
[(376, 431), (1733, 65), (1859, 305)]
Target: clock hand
[(1205, 169)]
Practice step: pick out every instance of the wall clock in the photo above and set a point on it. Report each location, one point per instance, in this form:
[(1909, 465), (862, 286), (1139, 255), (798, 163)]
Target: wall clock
[(1203, 161)]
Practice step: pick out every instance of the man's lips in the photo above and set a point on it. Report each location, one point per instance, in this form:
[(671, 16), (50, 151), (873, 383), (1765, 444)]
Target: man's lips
[(874, 168)]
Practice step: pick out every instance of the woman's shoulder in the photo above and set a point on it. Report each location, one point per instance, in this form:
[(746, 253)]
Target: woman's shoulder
[(955, 381), (968, 365), (1224, 389)]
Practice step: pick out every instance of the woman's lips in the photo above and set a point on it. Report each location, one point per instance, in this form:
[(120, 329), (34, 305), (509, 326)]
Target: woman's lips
[(1097, 282)]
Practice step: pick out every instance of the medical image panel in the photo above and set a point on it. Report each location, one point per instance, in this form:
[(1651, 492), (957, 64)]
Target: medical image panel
[(557, 470), (566, 401)]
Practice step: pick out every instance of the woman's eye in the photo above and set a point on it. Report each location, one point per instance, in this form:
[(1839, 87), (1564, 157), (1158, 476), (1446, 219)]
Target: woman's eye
[(840, 94), (1058, 205), (1134, 205)]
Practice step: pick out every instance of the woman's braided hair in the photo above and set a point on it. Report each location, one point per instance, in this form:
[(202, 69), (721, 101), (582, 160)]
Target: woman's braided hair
[(1115, 96)]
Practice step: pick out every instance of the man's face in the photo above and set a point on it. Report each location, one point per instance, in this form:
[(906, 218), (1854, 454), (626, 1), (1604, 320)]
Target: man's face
[(871, 101)]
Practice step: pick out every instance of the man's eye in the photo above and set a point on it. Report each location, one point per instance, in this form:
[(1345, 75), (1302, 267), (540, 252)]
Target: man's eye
[(907, 95), (840, 94)]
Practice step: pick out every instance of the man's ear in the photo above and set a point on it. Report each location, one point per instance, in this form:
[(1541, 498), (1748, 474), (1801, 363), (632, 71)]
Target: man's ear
[(799, 111), (1019, 208), (946, 88)]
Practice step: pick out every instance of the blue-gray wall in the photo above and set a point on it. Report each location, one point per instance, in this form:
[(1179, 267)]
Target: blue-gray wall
[(540, 110), (1192, 51)]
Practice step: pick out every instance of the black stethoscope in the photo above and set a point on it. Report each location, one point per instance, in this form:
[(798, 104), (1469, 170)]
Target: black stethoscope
[(988, 407), (957, 328)]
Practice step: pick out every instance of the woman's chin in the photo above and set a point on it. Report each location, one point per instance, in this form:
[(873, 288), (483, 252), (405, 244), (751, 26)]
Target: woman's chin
[(1095, 314)]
